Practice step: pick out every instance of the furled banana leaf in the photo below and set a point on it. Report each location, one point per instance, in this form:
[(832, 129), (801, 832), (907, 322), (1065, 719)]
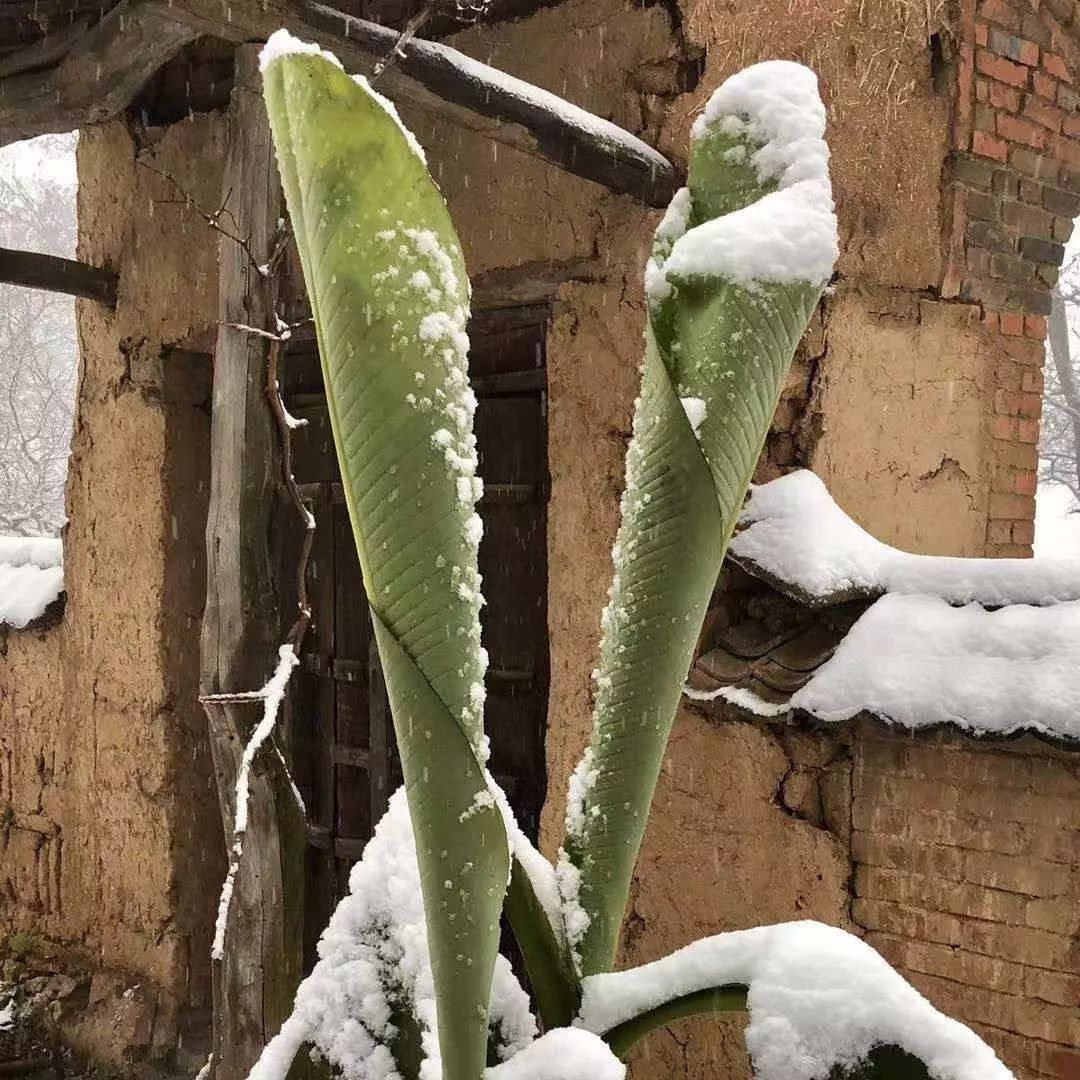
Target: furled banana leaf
[(738, 265), (389, 293)]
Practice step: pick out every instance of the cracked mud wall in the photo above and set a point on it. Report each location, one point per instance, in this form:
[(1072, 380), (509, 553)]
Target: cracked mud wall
[(898, 427), (113, 820)]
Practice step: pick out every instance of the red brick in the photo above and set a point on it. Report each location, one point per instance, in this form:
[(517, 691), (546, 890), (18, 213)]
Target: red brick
[(1007, 403), (987, 146), (1011, 551), (1025, 351), (1004, 427), (1023, 532), (990, 320), (1002, 96), (1071, 125), (980, 33), (1000, 12), (1012, 323), (1027, 431), (1032, 382), (998, 532), (1053, 63), (1060, 1061), (1035, 327), (1044, 85), (997, 67), (1065, 149), (1048, 115), (1024, 483), (1031, 406), (1059, 915), (1012, 507), (1022, 131)]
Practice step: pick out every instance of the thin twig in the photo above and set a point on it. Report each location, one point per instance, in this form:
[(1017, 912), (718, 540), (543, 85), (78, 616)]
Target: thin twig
[(213, 219), (285, 429)]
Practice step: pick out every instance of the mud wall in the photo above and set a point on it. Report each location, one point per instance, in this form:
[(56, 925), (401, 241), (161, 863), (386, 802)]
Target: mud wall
[(111, 821), (891, 400)]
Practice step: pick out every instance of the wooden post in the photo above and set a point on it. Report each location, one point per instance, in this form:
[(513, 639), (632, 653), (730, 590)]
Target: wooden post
[(255, 981)]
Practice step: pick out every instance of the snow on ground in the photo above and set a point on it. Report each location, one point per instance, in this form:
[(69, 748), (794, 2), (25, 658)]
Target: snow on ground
[(31, 577), (796, 534), (818, 997), (1057, 528), (919, 661)]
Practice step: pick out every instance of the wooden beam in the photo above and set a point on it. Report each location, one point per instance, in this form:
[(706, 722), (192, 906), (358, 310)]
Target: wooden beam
[(104, 68), (255, 982), (450, 85), (53, 274)]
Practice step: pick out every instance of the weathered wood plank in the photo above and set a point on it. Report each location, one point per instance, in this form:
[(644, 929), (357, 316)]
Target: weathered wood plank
[(255, 982), (53, 274), (105, 68), (448, 84)]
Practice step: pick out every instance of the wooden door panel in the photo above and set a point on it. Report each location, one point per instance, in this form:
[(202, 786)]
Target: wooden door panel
[(340, 732)]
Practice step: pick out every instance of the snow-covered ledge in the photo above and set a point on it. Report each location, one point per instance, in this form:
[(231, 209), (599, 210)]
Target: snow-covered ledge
[(798, 538), (31, 578), (985, 645)]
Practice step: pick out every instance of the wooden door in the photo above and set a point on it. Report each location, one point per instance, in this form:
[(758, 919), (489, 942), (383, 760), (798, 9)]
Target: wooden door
[(338, 723)]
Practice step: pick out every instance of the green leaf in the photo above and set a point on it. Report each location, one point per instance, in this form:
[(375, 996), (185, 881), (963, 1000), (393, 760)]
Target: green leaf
[(724, 349), (389, 293)]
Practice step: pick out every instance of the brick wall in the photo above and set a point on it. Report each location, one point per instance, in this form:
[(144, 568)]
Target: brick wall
[(967, 878), (1014, 181)]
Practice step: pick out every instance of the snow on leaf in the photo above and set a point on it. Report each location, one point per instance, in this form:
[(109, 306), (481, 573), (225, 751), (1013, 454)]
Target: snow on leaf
[(373, 965), (818, 997)]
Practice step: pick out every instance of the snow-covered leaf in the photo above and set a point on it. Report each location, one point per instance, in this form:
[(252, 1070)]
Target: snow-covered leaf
[(389, 294), (738, 264)]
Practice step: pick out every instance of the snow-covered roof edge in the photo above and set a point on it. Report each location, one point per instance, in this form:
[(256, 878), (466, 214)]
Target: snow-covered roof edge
[(797, 538), (31, 579)]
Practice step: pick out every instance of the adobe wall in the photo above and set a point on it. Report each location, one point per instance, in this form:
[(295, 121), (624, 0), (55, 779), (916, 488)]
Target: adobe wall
[(111, 826), (914, 395)]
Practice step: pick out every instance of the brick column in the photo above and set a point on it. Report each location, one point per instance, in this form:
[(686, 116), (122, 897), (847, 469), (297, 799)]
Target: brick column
[(1015, 188)]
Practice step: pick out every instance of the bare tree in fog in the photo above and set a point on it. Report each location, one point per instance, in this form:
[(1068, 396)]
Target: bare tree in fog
[(38, 346)]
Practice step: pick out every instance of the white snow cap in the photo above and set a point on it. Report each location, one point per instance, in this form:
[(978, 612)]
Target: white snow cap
[(561, 1054), (31, 577), (818, 997), (799, 536), (786, 236), (281, 43), (920, 662)]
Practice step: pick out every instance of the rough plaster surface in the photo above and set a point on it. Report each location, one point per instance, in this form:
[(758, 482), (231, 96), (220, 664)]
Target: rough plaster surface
[(904, 398), (107, 772), (721, 853)]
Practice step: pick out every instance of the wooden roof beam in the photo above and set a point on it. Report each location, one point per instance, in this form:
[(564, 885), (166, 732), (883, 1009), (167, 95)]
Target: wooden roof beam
[(53, 274), (95, 79), (450, 85)]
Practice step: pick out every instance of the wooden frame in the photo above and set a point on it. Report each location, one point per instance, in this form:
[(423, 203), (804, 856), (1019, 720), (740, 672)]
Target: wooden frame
[(106, 66), (254, 982), (35, 271)]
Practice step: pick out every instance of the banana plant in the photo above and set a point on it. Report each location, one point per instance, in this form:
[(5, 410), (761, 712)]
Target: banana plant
[(410, 985), (738, 265)]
